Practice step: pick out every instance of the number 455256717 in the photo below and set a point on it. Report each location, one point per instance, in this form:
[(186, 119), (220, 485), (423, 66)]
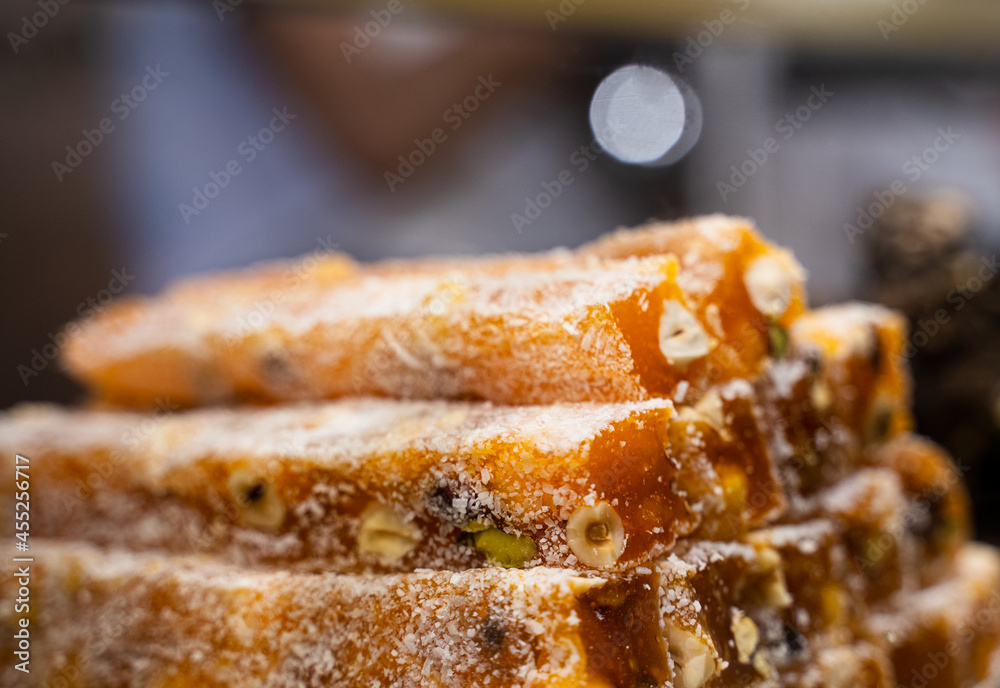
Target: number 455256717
[(22, 483)]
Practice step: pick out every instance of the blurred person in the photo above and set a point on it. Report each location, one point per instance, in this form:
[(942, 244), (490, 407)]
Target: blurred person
[(308, 132)]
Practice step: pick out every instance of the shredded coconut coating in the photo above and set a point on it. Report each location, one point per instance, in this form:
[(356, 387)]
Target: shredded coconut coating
[(384, 485), (580, 325)]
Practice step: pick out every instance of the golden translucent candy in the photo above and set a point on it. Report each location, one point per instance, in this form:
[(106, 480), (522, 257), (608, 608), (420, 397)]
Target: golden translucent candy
[(149, 619), (626, 318), (725, 462), (385, 485), (675, 614), (939, 518), (947, 634), (127, 619), (295, 485), (690, 481), (859, 349), (842, 389)]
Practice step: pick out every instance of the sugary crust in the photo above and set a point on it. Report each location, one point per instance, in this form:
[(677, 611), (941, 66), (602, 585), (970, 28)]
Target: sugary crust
[(713, 252), (938, 513), (141, 620), (748, 464), (861, 347), (558, 326), (732, 461), (842, 390), (384, 485), (947, 635), (904, 520), (710, 617)]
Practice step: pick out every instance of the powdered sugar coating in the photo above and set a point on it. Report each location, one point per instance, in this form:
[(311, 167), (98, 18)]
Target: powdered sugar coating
[(154, 620), (557, 326), (846, 330), (296, 484), (140, 620)]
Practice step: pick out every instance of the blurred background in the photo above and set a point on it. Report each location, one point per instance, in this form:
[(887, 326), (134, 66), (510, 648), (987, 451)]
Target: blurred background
[(143, 141)]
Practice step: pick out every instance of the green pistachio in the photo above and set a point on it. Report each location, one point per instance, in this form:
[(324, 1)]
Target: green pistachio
[(504, 549), (777, 337)]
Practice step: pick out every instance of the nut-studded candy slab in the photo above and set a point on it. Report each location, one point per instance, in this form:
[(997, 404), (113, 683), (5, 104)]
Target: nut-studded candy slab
[(386, 485), (788, 606), (938, 513), (841, 389), (146, 619), (696, 308), (753, 614), (770, 604), (947, 635), (117, 619), (902, 524)]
